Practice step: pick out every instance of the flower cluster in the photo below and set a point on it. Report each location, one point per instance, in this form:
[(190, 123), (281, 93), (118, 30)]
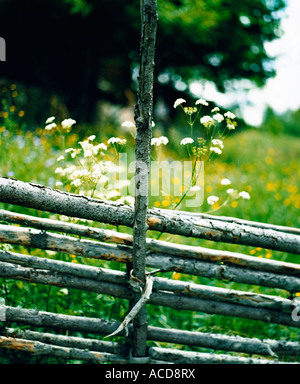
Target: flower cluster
[(159, 141), (64, 127)]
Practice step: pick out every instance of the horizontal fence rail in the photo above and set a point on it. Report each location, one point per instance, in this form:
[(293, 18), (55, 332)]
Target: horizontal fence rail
[(271, 348), (88, 242), (47, 199)]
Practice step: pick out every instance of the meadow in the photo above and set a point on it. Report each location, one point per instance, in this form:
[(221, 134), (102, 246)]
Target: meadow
[(261, 163)]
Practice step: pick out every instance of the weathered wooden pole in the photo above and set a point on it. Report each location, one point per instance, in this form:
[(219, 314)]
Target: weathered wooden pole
[(143, 122)]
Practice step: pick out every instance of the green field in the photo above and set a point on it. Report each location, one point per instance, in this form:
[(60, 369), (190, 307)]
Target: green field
[(263, 164)]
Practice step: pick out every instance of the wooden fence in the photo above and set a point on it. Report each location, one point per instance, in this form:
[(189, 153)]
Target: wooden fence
[(90, 242)]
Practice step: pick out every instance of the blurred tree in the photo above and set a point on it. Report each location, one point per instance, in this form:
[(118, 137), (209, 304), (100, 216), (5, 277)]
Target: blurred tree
[(87, 50), (288, 122)]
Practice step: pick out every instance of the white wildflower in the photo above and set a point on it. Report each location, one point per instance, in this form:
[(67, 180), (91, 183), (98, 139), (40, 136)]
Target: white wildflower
[(67, 124), (128, 124), (218, 142), (230, 126), (51, 126), (211, 200), (195, 188), (216, 150), (218, 117), (225, 182), (76, 182), (230, 115), (73, 152), (79, 173), (58, 184), (179, 102), (96, 174), (216, 109), (114, 140), (207, 121), (91, 138), (50, 119), (187, 140), (59, 171), (60, 158), (70, 169), (102, 146), (159, 141), (201, 101), (233, 193), (244, 195)]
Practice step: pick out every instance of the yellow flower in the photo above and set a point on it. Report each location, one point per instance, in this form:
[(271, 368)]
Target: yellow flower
[(176, 276)]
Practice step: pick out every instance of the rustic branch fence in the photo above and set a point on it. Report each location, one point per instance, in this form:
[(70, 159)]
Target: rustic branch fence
[(139, 285), (91, 242)]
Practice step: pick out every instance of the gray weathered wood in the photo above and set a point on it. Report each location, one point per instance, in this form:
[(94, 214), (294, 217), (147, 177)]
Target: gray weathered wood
[(46, 199), (104, 327), (68, 341), (160, 284), (120, 253), (163, 298), (188, 357), (43, 349), (193, 252), (143, 121)]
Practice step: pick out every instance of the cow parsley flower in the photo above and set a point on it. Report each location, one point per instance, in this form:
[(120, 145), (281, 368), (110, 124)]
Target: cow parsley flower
[(116, 140), (230, 115), (179, 102), (216, 150), (211, 200), (67, 124), (50, 127), (207, 121), (195, 188), (202, 102), (231, 127), (159, 141), (218, 142), (128, 124), (244, 195), (187, 140), (50, 120), (225, 182), (218, 117)]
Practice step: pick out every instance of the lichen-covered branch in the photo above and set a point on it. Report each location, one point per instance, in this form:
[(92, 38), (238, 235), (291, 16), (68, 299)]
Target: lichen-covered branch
[(46, 199), (143, 121)]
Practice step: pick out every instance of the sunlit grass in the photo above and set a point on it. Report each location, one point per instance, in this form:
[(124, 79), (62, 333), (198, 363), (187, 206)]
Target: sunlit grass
[(264, 165)]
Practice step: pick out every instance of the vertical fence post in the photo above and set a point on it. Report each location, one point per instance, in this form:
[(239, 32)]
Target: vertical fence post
[(143, 121)]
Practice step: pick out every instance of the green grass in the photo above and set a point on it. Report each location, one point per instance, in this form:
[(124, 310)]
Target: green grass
[(265, 165)]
